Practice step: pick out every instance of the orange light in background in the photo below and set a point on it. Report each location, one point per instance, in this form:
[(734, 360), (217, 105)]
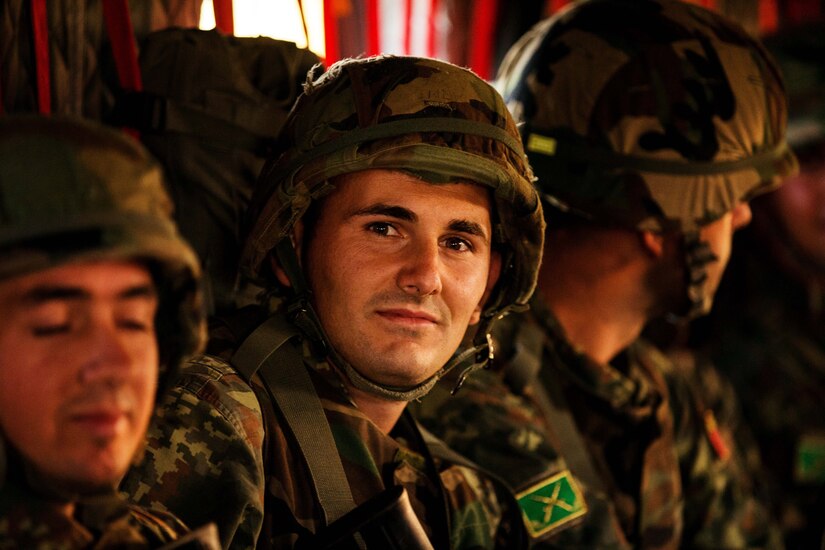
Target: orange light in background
[(279, 19)]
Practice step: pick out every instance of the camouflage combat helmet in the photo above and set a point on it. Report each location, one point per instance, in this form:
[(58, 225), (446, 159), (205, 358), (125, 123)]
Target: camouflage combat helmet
[(74, 191), (663, 125), (426, 117)]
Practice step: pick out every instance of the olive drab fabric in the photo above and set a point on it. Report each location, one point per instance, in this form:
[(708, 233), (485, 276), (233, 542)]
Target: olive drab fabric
[(210, 110), (72, 190), (674, 120), (424, 116)]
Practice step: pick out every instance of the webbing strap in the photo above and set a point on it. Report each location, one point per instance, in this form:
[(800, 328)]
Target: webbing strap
[(224, 16), (40, 30), (407, 126), (571, 444), (544, 143), (122, 36), (270, 352)]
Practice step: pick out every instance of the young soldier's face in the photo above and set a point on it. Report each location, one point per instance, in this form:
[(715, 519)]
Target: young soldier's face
[(78, 368), (399, 269)]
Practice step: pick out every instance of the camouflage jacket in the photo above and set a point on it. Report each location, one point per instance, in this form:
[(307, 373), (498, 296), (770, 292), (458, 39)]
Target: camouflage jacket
[(206, 462), (647, 466), (30, 521), (767, 333)]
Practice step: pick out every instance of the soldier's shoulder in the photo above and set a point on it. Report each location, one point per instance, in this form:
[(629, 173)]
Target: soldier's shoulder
[(212, 385)]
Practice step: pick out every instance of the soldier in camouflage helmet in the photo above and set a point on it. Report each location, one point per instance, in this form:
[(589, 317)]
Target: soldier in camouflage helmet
[(100, 303), (767, 327), (647, 140), (400, 211)]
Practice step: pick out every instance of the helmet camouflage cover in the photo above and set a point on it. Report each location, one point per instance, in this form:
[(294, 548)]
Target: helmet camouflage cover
[(422, 116), (662, 125), (74, 191)]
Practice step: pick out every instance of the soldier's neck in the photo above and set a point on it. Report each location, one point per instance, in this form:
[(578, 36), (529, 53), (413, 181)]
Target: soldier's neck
[(600, 302), (382, 412)]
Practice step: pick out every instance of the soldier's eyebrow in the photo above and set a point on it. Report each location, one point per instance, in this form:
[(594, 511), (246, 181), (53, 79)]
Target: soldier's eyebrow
[(470, 228), (48, 292), (381, 209)]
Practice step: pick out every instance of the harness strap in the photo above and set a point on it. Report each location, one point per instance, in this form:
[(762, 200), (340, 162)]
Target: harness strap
[(40, 30), (272, 352)]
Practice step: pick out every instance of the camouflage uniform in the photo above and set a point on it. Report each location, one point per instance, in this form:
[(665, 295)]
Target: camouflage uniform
[(73, 191), (767, 327), (205, 461), (30, 521), (666, 477), (223, 443), (656, 126)]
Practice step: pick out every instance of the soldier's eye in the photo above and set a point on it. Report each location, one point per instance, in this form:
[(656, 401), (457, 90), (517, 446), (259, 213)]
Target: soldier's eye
[(42, 331), (458, 244), (382, 228)]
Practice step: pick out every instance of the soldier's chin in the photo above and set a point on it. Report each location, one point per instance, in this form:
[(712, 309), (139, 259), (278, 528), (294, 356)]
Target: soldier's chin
[(69, 489)]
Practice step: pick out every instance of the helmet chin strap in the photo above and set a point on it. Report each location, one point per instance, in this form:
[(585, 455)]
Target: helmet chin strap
[(698, 255), (301, 313)]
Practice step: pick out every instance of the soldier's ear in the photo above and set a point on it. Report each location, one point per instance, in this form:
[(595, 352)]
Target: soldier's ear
[(297, 238), (653, 243)]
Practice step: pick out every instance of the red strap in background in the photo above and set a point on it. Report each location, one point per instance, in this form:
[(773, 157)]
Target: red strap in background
[(40, 29), (481, 51), (407, 26), (373, 28), (432, 30), (332, 52), (768, 16), (122, 36), (224, 16)]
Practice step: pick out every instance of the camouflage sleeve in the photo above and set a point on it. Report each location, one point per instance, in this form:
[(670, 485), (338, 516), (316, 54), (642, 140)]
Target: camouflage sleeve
[(203, 460), (723, 506)]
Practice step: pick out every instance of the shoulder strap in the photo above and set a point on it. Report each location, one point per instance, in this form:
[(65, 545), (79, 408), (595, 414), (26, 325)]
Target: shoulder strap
[(528, 367), (271, 351)]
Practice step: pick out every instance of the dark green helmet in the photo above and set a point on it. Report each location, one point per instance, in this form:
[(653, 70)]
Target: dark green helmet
[(664, 124), (75, 191), (423, 116)]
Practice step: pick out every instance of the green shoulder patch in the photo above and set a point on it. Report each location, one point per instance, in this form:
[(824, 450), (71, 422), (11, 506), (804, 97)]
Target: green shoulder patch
[(810, 459), (551, 503)]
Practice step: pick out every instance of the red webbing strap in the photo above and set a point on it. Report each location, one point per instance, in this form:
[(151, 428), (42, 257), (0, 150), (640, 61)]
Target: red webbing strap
[(122, 36), (40, 29), (484, 21), (768, 16), (332, 52), (432, 38), (373, 28), (224, 16), (407, 26)]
